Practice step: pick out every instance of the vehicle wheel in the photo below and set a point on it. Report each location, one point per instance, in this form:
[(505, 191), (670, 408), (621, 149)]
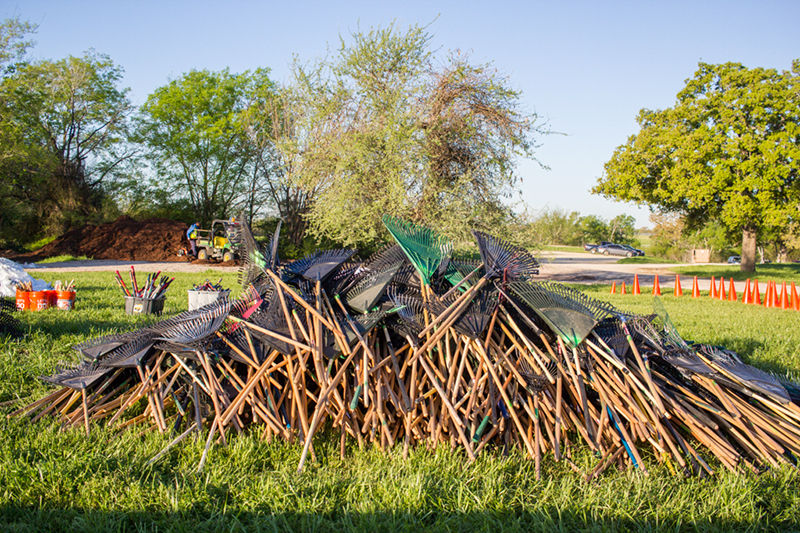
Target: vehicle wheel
[(227, 256), (202, 253), (594, 251), (605, 252), (629, 254)]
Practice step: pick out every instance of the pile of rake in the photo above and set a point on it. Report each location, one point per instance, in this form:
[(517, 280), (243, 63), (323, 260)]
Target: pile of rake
[(415, 346)]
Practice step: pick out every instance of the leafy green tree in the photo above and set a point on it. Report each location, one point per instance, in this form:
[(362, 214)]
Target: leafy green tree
[(555, 226), (728, 150), (62, 131), (397, 131), (621, 229), (196, 139), (280, 130), (592, 229), (13, 45)]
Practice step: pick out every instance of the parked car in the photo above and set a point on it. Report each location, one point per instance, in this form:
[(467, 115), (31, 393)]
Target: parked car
[(618, 249), (593, 247), (635, 251), (734, 260)]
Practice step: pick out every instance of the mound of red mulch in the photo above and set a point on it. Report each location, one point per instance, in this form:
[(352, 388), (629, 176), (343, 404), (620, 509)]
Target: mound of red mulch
[(155, 239)]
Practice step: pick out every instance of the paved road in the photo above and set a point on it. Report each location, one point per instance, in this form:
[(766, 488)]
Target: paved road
[(560, 266)]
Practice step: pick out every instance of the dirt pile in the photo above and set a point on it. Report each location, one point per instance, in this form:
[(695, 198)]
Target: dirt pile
[(155, 239)]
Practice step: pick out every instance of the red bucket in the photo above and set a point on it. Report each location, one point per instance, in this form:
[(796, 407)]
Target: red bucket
[(23, 300), (40, 300), (66, 300)]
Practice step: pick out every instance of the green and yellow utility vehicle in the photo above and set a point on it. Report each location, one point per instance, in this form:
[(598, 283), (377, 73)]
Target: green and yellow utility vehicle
[(221, 242)]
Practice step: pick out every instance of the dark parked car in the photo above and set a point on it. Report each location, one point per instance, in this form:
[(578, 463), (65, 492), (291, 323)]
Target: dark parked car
[(635, 251), (593, 247), (618, 249)]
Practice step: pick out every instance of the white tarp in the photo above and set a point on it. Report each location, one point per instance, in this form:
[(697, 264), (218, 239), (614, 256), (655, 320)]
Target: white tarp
[(12, 273)]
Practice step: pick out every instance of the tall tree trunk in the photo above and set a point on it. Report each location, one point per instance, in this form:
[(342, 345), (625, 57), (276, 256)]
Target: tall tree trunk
[(748, 249)]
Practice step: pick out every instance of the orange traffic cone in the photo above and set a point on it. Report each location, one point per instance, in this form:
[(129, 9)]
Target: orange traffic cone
[(636, 288), (732, 292), (776, 302), (756, 294), (784, 297), (795, 299), (613, 287), (656, 287), (721, 293), (747, 296), (712, 291), (678, 291), (623, 288), (769, 301), (695, 288)]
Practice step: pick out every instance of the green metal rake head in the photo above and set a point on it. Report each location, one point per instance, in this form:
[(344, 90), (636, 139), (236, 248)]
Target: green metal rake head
[(425, 248)]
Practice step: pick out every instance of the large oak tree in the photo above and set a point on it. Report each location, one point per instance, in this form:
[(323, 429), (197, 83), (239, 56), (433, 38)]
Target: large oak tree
[(728, 150)]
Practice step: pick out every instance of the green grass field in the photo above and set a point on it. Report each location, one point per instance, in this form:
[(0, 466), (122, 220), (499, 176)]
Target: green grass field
[(63, 481), (772, 271)]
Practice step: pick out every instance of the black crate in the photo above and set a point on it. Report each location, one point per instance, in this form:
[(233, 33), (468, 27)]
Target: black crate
[(144, 306)]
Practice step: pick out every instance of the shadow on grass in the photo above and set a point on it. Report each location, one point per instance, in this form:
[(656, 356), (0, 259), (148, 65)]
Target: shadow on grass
[(14, 518)]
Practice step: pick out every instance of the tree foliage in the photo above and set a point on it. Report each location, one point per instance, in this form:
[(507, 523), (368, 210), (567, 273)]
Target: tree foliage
[(194, 131), (394, 131), (13, 45), (62, 130), (728, 150)]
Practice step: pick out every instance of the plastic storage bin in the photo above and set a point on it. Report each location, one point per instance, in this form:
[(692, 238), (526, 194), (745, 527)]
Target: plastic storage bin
[(144, 306), (198, 299)]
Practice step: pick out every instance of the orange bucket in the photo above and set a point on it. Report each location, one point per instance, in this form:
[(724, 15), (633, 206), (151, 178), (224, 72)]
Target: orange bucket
[(66, 300), (52, 298), (23, 300), (40, 300)]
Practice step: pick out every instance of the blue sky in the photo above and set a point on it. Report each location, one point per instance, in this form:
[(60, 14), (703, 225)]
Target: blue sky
[(587, 68)]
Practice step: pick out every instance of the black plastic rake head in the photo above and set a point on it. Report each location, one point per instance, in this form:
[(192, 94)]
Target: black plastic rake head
[(99, 346), (365, 294), (458, 269), (746, 375), (270, 316), (130, 354), (571, 318), (408, 320), (193, 334), (504, 260), (536, 380), (473, 320), (318, 265), (77, 377), (8, 324), (256, 259), (363, 323)]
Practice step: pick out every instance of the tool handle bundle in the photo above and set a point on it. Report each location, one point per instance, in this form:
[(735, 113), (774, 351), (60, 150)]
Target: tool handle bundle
[(154, 286), (403, 360), (208, 286), (60, 286)]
